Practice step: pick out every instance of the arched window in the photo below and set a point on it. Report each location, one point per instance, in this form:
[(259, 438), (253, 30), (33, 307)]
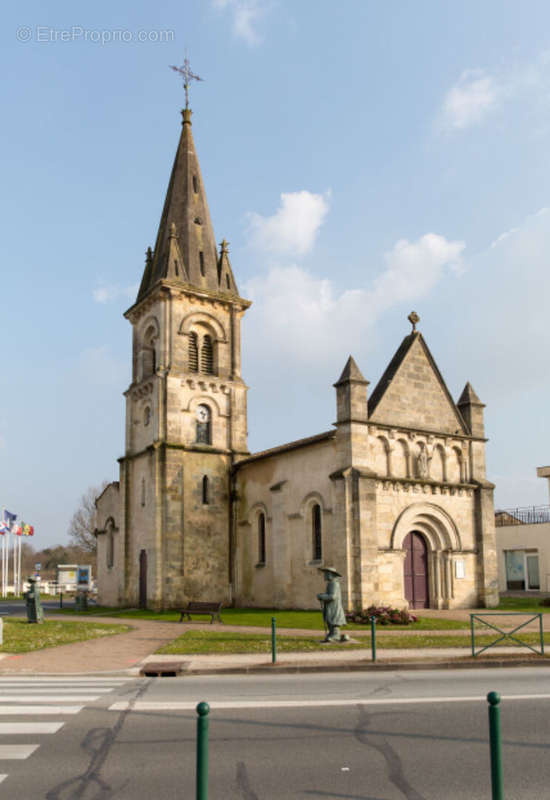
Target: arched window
[(148, 352), (110, 544), (147, 415), (193, 352), (261, 538), (204, 434), (205, 497), (207, 355), (316, 532)]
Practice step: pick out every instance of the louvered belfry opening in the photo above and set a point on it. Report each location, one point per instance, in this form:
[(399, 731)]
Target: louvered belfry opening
[(193, 354), (207, 356)]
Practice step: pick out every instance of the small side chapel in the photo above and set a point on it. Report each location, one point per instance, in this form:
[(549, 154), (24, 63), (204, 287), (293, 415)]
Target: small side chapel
[(394, 495)]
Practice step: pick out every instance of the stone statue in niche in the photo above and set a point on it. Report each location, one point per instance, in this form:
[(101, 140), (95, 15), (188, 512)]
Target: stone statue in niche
[(331, 604), (422, 464)]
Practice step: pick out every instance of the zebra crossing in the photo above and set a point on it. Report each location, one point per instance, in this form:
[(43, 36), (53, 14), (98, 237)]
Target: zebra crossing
[(35, 698)]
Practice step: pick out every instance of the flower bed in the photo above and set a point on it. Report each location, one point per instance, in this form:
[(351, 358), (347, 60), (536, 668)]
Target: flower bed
[(384, 615)]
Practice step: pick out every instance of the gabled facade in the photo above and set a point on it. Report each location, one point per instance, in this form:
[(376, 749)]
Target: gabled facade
[(394, 496)]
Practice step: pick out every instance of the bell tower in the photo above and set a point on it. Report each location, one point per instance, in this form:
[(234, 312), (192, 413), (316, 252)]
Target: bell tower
[(186, 418)]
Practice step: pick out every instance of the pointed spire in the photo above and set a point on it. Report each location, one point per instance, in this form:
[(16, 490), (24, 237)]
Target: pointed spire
[(185, 249), (351, 394), (226, 281), (351, 372), (469, 397), (471, 408)]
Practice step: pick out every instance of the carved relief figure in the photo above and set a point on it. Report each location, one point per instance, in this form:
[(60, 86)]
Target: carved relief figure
[(422, 464)]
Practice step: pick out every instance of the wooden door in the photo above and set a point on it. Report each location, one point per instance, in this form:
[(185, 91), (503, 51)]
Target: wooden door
[(416, 570), (143, 579)]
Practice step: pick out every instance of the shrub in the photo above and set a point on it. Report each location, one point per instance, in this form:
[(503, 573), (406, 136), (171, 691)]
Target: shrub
[(385, 615)]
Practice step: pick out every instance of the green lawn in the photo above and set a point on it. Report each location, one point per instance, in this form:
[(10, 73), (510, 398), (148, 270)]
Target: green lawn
[(22, 637), (527, 605), (196, 642), (260, 617)]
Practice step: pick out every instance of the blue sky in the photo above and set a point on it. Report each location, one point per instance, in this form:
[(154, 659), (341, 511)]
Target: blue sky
[(363, 159)]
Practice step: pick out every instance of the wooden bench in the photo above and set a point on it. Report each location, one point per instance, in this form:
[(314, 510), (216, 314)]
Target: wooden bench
[(208, 609)]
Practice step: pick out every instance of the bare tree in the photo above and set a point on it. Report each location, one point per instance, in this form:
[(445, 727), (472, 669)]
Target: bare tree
[(81, 526)]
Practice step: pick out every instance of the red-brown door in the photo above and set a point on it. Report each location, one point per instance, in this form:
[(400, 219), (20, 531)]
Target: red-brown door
[(416, 570)]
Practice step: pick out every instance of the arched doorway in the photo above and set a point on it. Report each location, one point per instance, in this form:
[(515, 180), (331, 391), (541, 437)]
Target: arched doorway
[(416, 570), (143, 579)]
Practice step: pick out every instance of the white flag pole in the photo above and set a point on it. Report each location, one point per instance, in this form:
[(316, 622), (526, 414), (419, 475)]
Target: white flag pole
[(19, 568), (14, 560), (3, 557)]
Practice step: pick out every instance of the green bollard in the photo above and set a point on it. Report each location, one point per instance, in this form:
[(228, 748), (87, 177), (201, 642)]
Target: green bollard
[(493, 698), (373, 636), (273, 640), (203, 710)]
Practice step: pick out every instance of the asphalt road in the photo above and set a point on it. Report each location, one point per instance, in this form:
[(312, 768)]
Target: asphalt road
[(384, 736)]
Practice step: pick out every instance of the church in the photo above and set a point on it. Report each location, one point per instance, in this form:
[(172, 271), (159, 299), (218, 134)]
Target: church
[(394, 495)]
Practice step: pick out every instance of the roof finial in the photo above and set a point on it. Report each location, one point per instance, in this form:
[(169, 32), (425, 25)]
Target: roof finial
[(185, 71), (414, 319), (224, 245)]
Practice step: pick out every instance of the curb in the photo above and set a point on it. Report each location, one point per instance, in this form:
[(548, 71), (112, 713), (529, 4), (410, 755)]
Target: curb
[(389, 666)]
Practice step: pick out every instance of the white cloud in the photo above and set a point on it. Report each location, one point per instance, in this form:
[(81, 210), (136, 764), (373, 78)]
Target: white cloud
[(246, 15), (299, 318), (106, 294), (470, 100), (293, 228), (504, 236), (478, 93)]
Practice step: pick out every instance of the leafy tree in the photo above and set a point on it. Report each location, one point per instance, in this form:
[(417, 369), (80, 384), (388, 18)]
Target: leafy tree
[(82, 524)]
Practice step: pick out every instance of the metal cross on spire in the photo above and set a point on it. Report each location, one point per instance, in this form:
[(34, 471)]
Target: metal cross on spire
[(185, 72)]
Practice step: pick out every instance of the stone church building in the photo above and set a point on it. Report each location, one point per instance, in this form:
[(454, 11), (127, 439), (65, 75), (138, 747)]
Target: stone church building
[(394, 495)]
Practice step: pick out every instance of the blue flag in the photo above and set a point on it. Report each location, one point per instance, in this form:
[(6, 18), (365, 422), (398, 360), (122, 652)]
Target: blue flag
[(9, 519)]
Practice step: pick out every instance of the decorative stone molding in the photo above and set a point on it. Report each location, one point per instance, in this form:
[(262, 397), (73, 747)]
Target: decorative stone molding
[(434, 522), (142, 390)]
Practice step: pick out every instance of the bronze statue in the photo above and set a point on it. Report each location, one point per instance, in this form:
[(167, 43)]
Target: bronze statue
[(331, 602)]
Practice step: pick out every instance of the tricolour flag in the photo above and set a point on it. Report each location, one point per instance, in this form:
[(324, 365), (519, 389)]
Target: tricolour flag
[(9, 519), (16, 529), (28, 530)]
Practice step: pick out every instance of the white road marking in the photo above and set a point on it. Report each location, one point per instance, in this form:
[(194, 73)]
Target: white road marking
[(17, 751), (13, 680), (44, 698), (141, 705), (38, 688), (12, 728), (15, 710)]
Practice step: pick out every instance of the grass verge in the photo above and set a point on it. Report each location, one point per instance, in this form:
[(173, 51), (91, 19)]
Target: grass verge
[(204, 642), (261, 617), (22, 637), (525, 605)]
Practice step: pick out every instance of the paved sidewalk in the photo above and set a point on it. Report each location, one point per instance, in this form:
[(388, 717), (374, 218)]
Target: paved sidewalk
[(127, 653)]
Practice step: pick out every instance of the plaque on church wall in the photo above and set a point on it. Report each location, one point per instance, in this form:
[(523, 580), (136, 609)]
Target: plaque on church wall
[(460, 570)]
